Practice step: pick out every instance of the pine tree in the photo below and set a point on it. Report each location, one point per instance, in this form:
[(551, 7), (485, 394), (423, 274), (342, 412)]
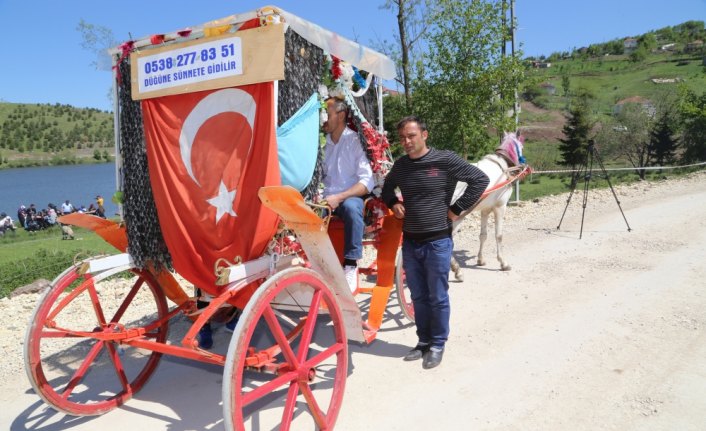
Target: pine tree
[(662, 141), (574, 146)]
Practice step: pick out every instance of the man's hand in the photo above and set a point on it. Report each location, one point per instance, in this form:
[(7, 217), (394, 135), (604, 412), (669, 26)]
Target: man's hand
[(452, 216), (334, 201), (398, 210)]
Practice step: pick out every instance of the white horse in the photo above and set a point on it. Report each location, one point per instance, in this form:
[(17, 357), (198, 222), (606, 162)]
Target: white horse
[(501, 168)]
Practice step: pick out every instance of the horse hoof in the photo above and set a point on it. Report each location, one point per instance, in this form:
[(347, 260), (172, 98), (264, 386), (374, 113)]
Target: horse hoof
[(480, 263), (505, 268), (459, 277)]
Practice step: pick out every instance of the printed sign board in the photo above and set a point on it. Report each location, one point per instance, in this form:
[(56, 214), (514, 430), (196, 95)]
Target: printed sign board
[(229, 60)]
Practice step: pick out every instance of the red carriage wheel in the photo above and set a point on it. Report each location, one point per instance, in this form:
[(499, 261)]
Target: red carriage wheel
[(288, 359), (75, 372), (403, 295)]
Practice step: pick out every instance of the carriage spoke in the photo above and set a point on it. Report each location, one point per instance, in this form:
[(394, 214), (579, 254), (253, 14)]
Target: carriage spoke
[(308, 332), (321, 357), (127, 301), (68, 299), (268, 387), (118, 365), (81, 371), (289, 405), (319, 416), (60, 333), (280, 337), (96, 303)]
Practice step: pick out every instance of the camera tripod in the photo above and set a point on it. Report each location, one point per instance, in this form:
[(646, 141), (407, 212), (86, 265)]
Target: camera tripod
[(586, 170)]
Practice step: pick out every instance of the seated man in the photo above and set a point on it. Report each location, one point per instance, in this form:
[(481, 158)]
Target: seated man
[(6, 223), (51, 214), (347, 178), (100, 209)]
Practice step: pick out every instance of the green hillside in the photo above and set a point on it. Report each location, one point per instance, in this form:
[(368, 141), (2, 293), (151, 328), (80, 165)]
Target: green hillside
[(44, 134), (647, 69), (615, 77)]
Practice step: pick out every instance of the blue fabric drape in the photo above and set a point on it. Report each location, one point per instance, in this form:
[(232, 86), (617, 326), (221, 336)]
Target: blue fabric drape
[(298, 145)]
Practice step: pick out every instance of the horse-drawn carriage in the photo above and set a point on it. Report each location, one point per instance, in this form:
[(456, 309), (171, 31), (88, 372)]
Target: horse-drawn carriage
[(219, 142), (218, 132)]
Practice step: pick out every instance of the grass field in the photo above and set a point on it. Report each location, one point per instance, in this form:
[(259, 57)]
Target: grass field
[(26, 257)]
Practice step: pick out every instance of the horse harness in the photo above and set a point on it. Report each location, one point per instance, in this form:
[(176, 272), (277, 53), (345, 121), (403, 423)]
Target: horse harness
[(512, 168)]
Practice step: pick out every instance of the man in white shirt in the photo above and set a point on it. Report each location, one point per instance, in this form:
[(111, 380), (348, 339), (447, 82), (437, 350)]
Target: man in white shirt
[(67, 208), (347, 178)]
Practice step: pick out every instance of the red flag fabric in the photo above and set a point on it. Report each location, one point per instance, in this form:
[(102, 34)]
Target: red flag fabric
[(209, 153)]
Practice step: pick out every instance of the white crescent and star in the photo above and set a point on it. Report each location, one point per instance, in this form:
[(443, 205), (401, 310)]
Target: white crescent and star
[(226, 100)]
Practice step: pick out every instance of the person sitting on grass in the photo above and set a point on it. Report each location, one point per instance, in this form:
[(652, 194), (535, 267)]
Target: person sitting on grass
[(6, 224), (51, 215)]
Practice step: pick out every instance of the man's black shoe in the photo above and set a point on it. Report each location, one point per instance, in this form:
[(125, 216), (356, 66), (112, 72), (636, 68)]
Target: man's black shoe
[(432, 358), (416, 353)]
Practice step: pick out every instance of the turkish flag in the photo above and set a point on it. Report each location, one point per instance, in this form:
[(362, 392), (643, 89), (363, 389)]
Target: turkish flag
[(209, 153)]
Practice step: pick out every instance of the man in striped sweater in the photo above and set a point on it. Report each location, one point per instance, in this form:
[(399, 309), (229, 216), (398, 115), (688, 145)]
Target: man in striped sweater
[(426, 178)]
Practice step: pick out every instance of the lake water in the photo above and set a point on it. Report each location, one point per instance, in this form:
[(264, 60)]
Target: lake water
[(54, 184)]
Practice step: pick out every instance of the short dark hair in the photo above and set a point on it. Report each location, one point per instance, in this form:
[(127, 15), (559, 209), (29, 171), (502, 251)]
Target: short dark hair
[(411, 119)]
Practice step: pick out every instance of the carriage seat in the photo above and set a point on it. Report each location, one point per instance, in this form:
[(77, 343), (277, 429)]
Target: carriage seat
[(372, 222)]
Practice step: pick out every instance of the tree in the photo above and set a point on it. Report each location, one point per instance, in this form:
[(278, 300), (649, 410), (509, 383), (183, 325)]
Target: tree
[(639, 54), (465, 85), (411, 27), (692, 113), (97, 39), (663, 142), (576, 131), (565, 84), (649, 41), (615, 47), (635, 143)]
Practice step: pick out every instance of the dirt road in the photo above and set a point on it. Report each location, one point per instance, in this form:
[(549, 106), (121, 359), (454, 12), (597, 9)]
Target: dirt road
[(605, 332)]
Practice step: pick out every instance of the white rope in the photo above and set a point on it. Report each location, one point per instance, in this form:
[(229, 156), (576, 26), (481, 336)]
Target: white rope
[(645, 168)]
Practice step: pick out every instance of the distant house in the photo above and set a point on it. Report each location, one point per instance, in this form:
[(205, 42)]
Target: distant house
[(694, 46), (390, 92), (647, 105), (629, 44), (541, 64)]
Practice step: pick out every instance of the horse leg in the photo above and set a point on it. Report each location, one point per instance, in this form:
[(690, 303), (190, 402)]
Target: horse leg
[(483, 236), (499, 213), (455, 267)]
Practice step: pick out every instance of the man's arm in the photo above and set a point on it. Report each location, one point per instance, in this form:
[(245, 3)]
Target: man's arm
[(477, 180), (389, 196), (357, 189)]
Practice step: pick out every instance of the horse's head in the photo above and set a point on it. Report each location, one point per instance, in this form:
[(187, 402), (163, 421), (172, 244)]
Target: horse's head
[(512, 146)]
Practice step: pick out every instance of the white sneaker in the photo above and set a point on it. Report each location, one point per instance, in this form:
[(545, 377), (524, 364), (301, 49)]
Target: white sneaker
[(351, 277)]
